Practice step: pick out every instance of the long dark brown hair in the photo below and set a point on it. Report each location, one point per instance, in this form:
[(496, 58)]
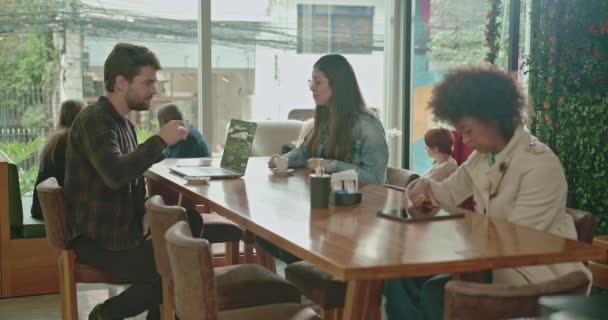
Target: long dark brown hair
[(345, 105), (67, 114)]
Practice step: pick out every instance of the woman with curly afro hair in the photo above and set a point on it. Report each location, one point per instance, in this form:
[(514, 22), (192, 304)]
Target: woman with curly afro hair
[(511, 175)]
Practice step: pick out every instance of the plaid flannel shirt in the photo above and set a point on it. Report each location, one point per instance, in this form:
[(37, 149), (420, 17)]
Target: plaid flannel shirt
[(104, 183)]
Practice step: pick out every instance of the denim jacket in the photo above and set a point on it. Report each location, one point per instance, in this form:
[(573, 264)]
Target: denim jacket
[(369, 151)]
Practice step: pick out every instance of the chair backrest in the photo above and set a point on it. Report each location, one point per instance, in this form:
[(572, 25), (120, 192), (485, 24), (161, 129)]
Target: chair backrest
[(400, 177), (193, 277), (161, 218), (461, 151), (52, 203), (270, 136), (468, 300), (585, 224), (301, 114), (15, 206)]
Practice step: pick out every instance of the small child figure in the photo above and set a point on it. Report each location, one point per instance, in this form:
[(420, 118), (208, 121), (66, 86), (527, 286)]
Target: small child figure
[(439, 143)]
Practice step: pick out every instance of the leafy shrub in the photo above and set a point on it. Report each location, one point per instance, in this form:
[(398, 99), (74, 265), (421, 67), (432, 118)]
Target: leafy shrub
[(568, 69), (20, 153)]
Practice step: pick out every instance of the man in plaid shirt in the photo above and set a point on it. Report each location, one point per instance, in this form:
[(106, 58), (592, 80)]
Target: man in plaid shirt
[(104, 186)]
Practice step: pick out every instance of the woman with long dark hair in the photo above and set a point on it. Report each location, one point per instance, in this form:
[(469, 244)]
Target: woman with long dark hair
[(52, 156), (346, 134)]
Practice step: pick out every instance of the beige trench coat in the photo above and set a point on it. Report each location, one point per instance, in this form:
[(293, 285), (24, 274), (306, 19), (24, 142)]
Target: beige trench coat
[(526, 186)]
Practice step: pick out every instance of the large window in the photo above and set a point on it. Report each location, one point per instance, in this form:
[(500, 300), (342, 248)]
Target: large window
[(342, 29), (50, 52), (447, 34), (263, 53)]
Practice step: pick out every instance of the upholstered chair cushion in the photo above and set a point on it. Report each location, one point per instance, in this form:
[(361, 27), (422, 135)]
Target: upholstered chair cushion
[(271, 135), (238, 286), (585, 224), (469, 300), (317, 285), (84, 273), (218, 229), (247, 285), (195, 280), (52, 203), (161, 218)]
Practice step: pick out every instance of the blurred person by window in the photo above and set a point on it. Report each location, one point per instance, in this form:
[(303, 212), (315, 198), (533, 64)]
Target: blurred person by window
[(438, 144), (194, 146), (52, 156)]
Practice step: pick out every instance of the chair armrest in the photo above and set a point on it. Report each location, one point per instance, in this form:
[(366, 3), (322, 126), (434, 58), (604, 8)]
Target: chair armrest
[(468, 300)]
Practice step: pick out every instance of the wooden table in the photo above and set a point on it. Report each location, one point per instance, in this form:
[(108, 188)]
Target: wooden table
[(354, 245)]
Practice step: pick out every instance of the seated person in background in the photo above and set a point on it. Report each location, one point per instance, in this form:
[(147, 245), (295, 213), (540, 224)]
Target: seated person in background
[(439, 142), (194, 146), (52, 156), (346, 134), (511, 176)]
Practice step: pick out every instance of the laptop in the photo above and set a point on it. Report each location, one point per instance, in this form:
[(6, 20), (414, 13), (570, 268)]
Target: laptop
[(236, 154)]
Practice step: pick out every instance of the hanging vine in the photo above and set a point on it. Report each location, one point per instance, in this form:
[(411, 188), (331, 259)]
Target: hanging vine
[(492, 30)]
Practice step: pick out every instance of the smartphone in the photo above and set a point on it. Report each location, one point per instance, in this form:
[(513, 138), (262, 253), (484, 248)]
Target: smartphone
[(197, 180)]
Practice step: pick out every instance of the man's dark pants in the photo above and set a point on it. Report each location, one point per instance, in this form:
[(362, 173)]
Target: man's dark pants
[(134, 265)]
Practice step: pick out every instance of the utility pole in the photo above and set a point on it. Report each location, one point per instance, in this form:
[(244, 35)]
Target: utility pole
[(71, 77)]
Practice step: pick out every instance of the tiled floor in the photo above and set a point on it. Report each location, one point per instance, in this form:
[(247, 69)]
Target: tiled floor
[(46, 307)]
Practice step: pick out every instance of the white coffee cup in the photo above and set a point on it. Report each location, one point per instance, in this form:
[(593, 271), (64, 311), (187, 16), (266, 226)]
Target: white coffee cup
[(281, 163)]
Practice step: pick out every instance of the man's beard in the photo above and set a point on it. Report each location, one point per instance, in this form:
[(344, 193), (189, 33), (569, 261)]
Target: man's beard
[(133, 104)]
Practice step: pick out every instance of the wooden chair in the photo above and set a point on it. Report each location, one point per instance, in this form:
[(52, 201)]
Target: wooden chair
[(196, 284), (28, 264), (585, 224), (52, 202), (239, 286), (470, 300), (218, 230), (493, 301)]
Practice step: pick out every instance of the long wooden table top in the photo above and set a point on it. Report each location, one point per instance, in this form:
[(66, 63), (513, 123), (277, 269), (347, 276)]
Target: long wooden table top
[(353, 243)]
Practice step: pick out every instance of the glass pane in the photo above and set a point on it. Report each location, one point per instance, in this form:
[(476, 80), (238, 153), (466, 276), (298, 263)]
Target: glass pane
[(60, 53), (448, 34), (263, 53)]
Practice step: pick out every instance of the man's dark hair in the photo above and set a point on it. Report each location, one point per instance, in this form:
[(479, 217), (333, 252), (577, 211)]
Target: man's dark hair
[(126, 60), (481, 92), (168, 112)]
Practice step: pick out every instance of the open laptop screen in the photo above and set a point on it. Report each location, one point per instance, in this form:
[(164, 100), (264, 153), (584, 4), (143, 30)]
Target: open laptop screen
[(238, 145)]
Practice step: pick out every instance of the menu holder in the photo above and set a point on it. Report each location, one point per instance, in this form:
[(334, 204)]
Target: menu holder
[(396, 207)]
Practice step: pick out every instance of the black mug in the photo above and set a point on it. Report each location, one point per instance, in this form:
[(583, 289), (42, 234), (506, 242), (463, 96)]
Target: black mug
[(320, 187)]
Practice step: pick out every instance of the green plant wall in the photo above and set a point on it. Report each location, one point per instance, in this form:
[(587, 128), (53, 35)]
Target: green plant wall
[(568, 83)]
